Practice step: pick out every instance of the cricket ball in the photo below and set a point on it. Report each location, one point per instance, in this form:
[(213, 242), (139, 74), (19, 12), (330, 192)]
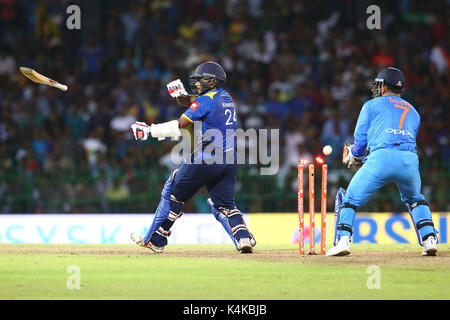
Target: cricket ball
[(327, 150)]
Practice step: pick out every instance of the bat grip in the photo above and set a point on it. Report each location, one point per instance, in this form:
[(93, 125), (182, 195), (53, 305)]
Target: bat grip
[(61, 86)]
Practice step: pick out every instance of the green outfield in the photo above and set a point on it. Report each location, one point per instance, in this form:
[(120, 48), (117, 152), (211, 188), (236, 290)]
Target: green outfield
[(213, 272)]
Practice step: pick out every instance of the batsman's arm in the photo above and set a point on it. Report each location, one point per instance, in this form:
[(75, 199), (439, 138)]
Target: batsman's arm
[(185, 101), (184, 121), (171, 129), (181, 92), (161, 131)]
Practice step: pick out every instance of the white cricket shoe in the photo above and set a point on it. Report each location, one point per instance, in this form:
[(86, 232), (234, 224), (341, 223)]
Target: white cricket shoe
[(342, 248), (430, 246), (138, 239), (245, 245), (252, 240)]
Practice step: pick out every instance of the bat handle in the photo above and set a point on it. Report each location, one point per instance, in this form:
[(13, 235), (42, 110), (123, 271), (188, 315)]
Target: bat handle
[(61, 86)]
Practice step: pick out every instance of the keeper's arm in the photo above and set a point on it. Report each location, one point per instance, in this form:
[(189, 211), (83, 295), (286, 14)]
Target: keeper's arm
[(360, 135)]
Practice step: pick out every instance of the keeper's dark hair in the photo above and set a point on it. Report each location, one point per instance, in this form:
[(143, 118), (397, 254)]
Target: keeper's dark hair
[(394, 89)]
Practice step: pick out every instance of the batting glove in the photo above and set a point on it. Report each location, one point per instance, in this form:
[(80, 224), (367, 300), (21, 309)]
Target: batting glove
[(176, 89), (141, 130)]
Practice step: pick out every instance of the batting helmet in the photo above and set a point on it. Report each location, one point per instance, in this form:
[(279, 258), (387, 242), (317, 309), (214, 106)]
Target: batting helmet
[(207, 73)]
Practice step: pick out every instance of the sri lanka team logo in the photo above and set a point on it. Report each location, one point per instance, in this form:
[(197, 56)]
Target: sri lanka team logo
[(194, 105)]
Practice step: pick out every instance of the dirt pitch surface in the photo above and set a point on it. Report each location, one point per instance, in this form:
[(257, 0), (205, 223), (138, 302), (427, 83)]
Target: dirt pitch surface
[(356, 258)]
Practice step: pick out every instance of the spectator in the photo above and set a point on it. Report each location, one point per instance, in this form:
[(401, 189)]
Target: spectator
[(300, 69), (122, 122), (7, 63), (91, 55), (116, 194), (275, 107), (440, 57), (301, 102)]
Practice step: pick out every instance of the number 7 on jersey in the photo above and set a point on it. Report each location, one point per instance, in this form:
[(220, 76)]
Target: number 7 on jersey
[(402, 118)]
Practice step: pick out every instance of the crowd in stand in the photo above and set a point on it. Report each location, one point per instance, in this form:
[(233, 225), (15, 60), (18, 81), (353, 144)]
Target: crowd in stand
[(298, 66)]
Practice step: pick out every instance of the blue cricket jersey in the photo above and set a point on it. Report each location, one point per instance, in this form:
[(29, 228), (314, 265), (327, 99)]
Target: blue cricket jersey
[(386, 122), (217, 112)]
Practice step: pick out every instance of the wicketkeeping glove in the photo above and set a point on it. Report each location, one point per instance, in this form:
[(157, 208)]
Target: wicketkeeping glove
[(349, 160), (176, 89), (141, 130)]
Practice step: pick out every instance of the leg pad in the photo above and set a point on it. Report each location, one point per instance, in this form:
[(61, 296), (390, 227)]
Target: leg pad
[(236, 222), (345, 227)]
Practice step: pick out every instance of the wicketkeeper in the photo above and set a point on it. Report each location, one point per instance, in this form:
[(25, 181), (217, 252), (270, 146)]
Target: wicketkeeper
[(387, 126), (211, 104)]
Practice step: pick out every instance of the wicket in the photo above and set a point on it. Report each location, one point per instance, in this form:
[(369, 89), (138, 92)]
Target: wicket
[(300, 207)]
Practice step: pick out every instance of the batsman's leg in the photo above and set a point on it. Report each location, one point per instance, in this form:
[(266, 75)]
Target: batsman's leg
[(239, 229), (222, 196), (224, 222), (169, 209), (186, 180)]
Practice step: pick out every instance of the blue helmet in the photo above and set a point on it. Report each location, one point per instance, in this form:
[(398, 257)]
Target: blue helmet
[(207, 73), (392, 77)]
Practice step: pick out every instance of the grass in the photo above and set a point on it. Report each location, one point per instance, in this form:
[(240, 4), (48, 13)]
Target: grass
[(166, 277)]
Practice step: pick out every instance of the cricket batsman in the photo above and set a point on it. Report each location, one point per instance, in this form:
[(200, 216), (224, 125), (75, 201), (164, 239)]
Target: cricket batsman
[(211, 104), (385, 150)]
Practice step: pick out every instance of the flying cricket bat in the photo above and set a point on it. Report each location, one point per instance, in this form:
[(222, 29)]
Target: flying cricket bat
[(39, 78)]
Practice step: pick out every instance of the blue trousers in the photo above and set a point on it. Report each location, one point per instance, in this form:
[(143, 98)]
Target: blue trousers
[(384, 166), (183, 183), (219, 179)]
